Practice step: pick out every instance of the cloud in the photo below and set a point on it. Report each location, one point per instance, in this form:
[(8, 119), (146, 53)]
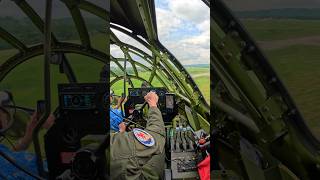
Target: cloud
[(167, 22), (116, 51), (184, 28), (191, 10), (193, 50)]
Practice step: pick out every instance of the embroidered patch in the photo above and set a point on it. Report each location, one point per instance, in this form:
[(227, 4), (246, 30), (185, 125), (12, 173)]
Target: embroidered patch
[(143, 137)]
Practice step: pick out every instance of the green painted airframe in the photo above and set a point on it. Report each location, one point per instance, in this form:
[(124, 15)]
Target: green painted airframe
[(259, 132), (136, 19)]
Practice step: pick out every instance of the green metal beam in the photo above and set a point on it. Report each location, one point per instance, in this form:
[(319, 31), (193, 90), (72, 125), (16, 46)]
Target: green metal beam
[(12, 40), (121, 68), (144, 9), (33, 16), (93, 9), (154, 69), (188, 80), (39, 23), (79, 22), (37, 50), (145, 68), (240, 64), (134, 36), (129, 58), (119, 78)]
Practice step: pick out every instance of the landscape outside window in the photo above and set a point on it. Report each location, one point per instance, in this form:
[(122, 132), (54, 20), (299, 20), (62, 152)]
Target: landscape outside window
[(288, 32), (184, 28)]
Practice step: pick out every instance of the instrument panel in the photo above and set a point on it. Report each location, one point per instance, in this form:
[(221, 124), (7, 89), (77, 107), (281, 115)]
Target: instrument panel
[(141, 92), (86, 104), (79, 101), (166, 102), (83, 110)]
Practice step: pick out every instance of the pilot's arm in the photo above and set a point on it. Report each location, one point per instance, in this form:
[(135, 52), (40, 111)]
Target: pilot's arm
[(154, 120), (132, 159), (26, 140)]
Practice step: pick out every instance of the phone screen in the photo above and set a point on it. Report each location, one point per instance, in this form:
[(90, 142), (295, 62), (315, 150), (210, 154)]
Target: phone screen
[(40, 108)]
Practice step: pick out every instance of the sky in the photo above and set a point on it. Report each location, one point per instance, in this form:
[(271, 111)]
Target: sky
[(183, 28)]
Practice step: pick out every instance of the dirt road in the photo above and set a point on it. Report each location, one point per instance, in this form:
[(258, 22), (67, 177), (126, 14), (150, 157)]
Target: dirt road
[(279, 44), (200, 75)]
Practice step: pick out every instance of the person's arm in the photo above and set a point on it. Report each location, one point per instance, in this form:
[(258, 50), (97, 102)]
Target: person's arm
[(154, 122), (24, 142), (121, 100)]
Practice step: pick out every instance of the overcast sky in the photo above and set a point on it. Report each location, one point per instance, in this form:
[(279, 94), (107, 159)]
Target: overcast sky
[(271, 4), (183, 27)]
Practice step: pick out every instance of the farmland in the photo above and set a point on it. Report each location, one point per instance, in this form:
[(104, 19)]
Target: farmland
[(293, 48)]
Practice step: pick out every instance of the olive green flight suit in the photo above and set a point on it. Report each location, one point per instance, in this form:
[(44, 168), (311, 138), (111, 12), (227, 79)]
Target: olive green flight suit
[(131, 160)]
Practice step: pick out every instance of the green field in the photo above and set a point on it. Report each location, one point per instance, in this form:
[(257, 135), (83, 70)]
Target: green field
[(297, 63), (279, 29), (201, 75)]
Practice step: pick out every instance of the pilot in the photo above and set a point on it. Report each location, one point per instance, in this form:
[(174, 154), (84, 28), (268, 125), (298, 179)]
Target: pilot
[(116, 116), (139, 154)]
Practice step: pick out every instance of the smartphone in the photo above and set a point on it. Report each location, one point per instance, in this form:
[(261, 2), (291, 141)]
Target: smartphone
[(41, 106)]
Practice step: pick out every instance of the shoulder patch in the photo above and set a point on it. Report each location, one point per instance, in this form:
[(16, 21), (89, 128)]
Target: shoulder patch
[(143, 137)]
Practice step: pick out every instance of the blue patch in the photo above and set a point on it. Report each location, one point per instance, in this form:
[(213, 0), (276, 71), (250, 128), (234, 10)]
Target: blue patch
[(143, 137)]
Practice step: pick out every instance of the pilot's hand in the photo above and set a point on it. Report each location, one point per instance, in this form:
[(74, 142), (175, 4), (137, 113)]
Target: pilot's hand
[(25, 141), (152, 99), (49, 122), (121, 100), (31, 125)]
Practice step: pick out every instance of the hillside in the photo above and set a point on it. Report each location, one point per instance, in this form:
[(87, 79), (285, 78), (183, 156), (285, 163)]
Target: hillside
[(293, 46), (64, 29), (286, 13)]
